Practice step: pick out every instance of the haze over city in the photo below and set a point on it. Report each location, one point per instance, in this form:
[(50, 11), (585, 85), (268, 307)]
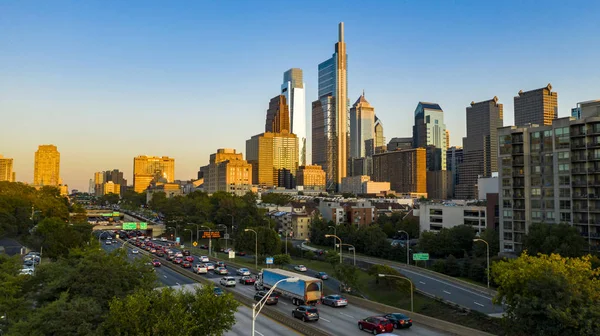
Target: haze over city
[(107, 82)]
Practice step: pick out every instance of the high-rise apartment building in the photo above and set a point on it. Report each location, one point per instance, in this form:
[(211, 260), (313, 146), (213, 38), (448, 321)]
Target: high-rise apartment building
[(404, 169), (227, 171), (429, 130), (447, 139), (293, 88), (278, 115), (113, 176), (46, 170), (454, 159), (6, 169), (311, 177), (537, 107), (269, 153), (480, 146), (148, 169), (330, 116), (362, 127)]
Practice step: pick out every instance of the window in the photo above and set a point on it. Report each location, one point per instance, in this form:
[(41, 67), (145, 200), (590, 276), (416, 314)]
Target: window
[(563, 156), (536, 204), (506, 182), (564, 180), (550, 215), (565, 205), (565, 192), (549, 204), (507, 225), (565, 216), (536, 192), (507, 213), (563, 167), (536, 215)]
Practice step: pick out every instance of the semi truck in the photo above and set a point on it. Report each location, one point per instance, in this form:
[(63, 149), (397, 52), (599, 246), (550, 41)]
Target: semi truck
[(307, 290)]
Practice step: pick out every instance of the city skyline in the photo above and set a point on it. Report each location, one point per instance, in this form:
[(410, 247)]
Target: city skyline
[(51, 98)]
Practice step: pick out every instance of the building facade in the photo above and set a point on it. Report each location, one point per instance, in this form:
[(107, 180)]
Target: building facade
[(269, 153), (311, 177), (429, 130), (362, 128), (6, 169), (278, 115), (379, 137), (404, 169), (46, 170), (538, 107), (147, 169), (227, 171), (480, 146), (330, 116), (435, 217), (362, 185), (439, 184), (454, 159), (400, 143), (293, 88)]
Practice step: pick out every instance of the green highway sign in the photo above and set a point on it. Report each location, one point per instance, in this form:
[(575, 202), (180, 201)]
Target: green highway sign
[(421, 256), (143, 226), (129, 226), (116, 214)]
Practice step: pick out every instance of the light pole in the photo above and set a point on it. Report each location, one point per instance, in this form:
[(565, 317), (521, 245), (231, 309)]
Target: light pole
[(209, 239), (191, 235), (488, 259), (225, 226), (327, 236), (100, 236), (255, 259), (197, 230), (351, 248), (407, 243), (260, 304), (412, 301), (334, 233)]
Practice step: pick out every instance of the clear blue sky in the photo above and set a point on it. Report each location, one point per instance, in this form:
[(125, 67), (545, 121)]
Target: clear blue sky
[(108, 80)]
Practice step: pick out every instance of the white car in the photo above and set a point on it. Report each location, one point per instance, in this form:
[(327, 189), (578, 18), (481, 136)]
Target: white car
[(108, 242), (210, 266), (178, 255), (163, 239), (300, 268), (243, 271), (135, 251), (200, 269), (29, 271), (227, 281), (204, 259)]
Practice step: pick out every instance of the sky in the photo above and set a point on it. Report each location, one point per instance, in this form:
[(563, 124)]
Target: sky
[(106, 81)]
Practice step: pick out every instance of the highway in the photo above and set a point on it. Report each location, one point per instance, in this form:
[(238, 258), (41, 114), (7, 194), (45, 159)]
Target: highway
[(453, 291), (243, 317)]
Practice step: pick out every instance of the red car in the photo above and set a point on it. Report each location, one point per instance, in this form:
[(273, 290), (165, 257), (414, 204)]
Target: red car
[(376, 325), (246, 280), (189, 258), (177, 260), (155, 263), (186, 264)]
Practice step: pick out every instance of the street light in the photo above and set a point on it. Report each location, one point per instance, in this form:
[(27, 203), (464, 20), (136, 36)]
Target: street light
[(100, 236), (173, 228), (260, 304), (412, 301), (407, 243), (225, 226), (191, 235), (335, 233), (351, 248), (488, 259), (209, 239), (255, 257), (197, 230), (328, 235)]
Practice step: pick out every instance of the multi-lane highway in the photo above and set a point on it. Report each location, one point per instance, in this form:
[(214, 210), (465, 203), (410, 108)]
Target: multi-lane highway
[(243, 317)]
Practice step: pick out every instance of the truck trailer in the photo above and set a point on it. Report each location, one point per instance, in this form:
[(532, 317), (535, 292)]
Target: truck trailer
[(307, 290)]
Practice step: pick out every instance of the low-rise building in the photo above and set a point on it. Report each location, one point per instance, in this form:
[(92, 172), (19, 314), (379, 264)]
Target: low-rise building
[(435, 216), (362, 185), (170, 190), (332, 211), (361, 213), (310, 178)]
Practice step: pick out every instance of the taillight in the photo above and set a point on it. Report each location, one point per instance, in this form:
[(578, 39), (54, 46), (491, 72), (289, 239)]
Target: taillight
[(401, 321)]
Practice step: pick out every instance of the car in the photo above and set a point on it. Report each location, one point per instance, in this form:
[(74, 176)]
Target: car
[(160, 253), (108, 242), (189, 258), (200, 269), (186, 264), (227, 281), (306, 313), (186, 253), (210, 266), (204, 247), (163, 239), (204, 259), (28, 263), (322, 276), (156, 263), (218, 291), (147, 248), (247, 280), (271, 300), (300, 268), (179, 255), (335, 300), (376, 325), (177, 260), (170, 257), (221, 270), (241, 254), (221, 264), (152, 250), (26, 271), (135, 251), (400, 321), (243, 271)]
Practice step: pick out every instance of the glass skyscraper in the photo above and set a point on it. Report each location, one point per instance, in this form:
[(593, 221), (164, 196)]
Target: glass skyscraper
[(293, 88)]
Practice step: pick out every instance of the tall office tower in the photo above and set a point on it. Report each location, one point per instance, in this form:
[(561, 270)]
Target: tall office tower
[(269, 153), (6, 169), (46, 170), (92, 187), (362, 127), (278, 115), (404, 169), (148, 169), (454, 158), (378, 136), (447, 139), (294, 92), (117, 178), (429, 130), (98, 183), (227, 171), (330, 116), (480, 146), (538, 107)]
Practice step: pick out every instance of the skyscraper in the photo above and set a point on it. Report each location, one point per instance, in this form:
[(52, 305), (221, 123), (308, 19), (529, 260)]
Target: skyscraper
[(293, 88), (269, 153), (278, 115), (330, 116), (227, 171), (538, 106), (6, 169), (480, 146), (147, 169), (46, 170), (380, 145), (430, 131), (362, 127)]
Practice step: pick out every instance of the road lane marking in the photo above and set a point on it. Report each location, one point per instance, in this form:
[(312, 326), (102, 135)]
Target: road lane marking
[(165, 276), (477, 303), (324, 319), (350, 316), (285, 303), (443, 282), (447, 292), (421, 282), (178, 284), (256, 331)]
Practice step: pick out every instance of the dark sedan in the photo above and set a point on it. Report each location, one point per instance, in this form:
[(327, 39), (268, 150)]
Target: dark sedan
[(306, 313), (247, 280), (322, 276), (271, 300), (400, 321)]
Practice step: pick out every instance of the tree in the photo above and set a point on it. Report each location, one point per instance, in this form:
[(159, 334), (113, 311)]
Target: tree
[(332, 257), (561, 238), (282, 259), (12, 291), (110, 199), (275, 198), (269, 242), (347, 274), (492, 237), (549, 295), (389, 282), (310, 255), (170, 312), (57, 237)]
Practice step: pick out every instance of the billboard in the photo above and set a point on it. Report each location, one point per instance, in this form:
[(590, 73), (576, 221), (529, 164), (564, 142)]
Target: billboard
[(211, 234)]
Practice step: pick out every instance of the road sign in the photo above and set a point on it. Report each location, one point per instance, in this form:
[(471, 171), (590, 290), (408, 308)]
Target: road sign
[(269, 261), (231, 254), (226, 236), (212, 234), (129, 226), (195, 244), (143, 226), (421, 256)]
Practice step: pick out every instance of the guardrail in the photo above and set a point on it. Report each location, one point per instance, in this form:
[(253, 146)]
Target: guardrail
[(270, 312)]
